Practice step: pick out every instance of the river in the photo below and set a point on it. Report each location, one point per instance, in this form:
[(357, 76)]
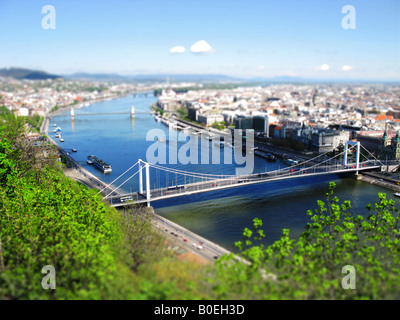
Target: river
[(219, 216)]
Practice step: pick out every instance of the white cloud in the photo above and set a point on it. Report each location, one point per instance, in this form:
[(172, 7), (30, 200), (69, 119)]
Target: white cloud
[(324, 67), (347, 68), (261, 67), (201, 47), (177, 49)]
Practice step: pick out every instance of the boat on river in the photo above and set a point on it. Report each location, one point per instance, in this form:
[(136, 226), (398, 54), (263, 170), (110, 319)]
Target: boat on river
[(100, 164)]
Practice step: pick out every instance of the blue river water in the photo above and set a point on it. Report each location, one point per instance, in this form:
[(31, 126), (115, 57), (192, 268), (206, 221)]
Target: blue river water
[(219, 216)]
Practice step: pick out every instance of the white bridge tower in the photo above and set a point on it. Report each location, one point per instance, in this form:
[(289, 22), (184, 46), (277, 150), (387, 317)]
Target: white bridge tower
[(352, 143)]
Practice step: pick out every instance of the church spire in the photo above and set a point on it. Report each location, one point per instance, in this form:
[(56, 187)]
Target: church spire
[(397, 138), (385, 136), (396, 146)]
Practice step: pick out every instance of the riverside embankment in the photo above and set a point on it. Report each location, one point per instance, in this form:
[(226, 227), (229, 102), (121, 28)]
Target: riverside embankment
[(387, 181)]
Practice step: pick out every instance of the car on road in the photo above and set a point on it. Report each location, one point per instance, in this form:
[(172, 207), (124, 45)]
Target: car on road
[(126, 199)]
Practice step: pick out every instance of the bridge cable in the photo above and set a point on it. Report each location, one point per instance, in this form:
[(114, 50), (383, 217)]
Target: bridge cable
[(119, 176), (124, 182)]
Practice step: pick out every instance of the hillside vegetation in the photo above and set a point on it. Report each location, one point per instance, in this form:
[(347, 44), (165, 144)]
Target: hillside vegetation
[(97, 252)]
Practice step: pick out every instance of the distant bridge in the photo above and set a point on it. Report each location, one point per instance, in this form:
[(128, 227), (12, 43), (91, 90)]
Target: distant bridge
[(132, 113), (185, 183)]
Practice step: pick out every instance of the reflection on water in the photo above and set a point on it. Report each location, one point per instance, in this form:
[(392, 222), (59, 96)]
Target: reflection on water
[(221, 215)]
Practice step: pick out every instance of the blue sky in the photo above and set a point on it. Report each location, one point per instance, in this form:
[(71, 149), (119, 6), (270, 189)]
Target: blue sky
[(252, 38)]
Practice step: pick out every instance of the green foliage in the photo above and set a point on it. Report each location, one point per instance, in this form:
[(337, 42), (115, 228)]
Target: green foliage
[(55, 108), (183, 112), (160, 111), (99, 88), (49, 219), (219, 125), (35, 122), (311, 267), (4, 110)]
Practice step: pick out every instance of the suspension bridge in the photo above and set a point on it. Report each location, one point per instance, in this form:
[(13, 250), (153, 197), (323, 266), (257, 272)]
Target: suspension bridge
[(178, 183), (132, 113)]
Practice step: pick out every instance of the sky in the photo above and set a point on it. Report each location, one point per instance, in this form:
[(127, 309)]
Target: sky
[(251, 38)]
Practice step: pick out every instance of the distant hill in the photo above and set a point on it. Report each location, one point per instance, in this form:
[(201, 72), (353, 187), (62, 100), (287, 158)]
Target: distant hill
[(281, 79), (153, 77), (191, 77), (95, 76), (21, 73)]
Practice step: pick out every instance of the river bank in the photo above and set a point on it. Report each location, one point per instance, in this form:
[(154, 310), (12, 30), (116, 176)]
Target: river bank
[(381, 179)]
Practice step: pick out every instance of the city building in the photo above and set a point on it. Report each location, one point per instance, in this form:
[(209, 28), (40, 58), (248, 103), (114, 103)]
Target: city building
[(384, 145)]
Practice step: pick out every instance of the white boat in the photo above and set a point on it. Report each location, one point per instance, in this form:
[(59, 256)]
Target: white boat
[(100, 164), (397, 194), (61, 140)]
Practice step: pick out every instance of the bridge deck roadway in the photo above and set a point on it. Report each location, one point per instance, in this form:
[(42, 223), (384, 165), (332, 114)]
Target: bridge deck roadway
[(108, 113)]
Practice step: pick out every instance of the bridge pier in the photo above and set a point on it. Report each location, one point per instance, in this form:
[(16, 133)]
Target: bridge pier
[(132, 112)]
